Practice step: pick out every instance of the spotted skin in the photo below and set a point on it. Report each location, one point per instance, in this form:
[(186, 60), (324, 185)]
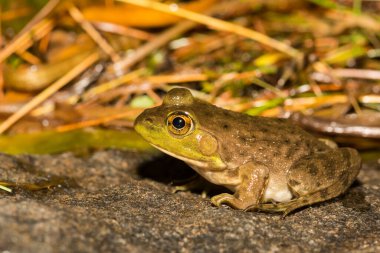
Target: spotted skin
[(269, 164), (326, 184)]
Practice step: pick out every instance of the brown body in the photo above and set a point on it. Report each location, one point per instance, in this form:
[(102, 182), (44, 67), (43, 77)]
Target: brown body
[(269, 164)]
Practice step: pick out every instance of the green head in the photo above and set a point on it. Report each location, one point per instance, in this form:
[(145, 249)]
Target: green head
[(174, 128)]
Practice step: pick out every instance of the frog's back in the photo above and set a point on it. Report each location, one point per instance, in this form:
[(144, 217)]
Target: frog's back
[(243, 137)]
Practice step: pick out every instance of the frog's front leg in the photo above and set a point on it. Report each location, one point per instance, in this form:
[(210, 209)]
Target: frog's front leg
[(254, 179)]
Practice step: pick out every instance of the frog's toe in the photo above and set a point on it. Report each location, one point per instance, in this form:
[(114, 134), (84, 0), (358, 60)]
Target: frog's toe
[(252, 208), (180, 188), (229, 200), (223, 198)]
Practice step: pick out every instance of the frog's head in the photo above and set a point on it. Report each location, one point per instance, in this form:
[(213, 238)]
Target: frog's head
[(173, 128)]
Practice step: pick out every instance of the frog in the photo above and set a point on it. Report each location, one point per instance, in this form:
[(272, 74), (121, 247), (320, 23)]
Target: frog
[(265, 164)]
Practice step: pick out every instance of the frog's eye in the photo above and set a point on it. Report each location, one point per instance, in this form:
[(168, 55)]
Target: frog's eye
[(179, 123)]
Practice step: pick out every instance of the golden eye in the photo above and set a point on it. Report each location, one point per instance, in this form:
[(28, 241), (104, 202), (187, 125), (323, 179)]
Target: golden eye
[(179, 123)]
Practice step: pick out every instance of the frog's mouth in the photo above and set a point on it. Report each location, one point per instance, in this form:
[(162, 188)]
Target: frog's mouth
[(197, 163)]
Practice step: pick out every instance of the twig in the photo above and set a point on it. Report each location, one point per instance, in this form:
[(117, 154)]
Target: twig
[(121, 91), (217, 24), (224, 9), (28, 57), (5, 188), (177, 78), (153, 95), (352, 92), (368, 99), (103, 44), (44, 43), (232, 76), (315, 87), (303, 103), (122, 30), (49, 91), (152, 45), (37, 24), (333, 127), (112, 84), (38, 17), (95, 122), (268, 86), (38, 31), (357, 73)]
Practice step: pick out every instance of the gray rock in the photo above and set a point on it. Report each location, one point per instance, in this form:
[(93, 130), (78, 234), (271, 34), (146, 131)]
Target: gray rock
[(105, 203)]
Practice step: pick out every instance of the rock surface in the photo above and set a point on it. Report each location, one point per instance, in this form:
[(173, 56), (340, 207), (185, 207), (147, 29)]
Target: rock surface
[(113, 201)]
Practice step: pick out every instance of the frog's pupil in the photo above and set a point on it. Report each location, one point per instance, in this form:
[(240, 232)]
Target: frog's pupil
[(178, 122)]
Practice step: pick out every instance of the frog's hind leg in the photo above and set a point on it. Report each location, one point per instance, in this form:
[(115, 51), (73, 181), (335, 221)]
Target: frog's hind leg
[(312, 198), (317, 178), (322, 176)]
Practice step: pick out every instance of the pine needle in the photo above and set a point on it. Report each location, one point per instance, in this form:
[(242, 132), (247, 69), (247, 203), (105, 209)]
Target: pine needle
[(37, 32), (93, 33), (99, 121), (217, 24), (5, 188), (49, 91)]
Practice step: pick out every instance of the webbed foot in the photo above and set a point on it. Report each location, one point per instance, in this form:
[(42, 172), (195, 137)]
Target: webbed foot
[(229, 200), (254, 178)]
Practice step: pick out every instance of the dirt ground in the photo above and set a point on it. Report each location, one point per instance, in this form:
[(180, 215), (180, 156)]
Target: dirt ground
[(113, 201)]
